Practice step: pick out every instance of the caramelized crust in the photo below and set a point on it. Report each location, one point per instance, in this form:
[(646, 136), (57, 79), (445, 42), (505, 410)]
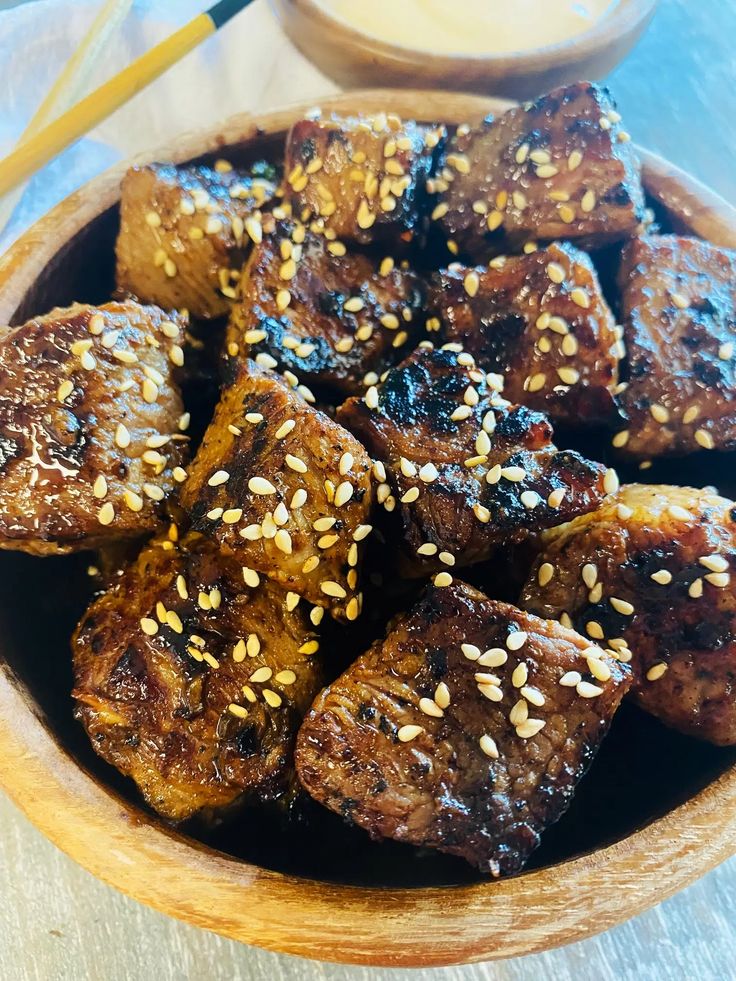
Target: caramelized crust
[(90, 415), (363, 179), (457, 733), (649, 575), (184, 233), (542, 322), (678, 299), (335, 319), (284, 490), (557, 168), (193, 684), (464, 470)]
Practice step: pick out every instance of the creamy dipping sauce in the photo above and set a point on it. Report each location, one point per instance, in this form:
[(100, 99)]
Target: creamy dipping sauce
[(471, 26)]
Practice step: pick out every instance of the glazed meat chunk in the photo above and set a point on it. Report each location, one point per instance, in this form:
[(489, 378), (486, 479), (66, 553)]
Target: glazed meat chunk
[(192, 683), (362, 179), (466, 730), (649, 575), (330, 317), (284, 490), (561, 167), (678, 298), (464, 470), (184, 233), (90, 419), (541, 321)]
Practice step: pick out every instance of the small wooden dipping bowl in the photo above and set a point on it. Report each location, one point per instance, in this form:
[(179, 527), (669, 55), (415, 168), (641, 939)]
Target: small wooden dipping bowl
[(354, 58), (655, 812)]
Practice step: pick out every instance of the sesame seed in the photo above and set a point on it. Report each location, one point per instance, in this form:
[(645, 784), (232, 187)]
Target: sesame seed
[(519, 713), (520, 673), (133, 501), (718, 579), (530, 499), (588, 202), (488, 746), (491, 691), (656, 671), (536, 382), (472, 283), (259, 485), (530, 728), (106, 514), (704, 439), (253, 645), (556, 497), (410, 496), (260, 675), (343, 493), (447, 558), (514, 474), (174, 621), (571, 679), (371, 397), (533, 695), (589, 574), (271, 698), (407, 733), (580, 298), (599, 670), (429, 707), (470, 651), (149, 626), (332, 589), (482, 513), (610, 482), (232, 516), (594, 596), (494, 474), (428, 473), (237, 710), (282, 541), (621, 606), (679, 513), (122, 436), (556, 272), (587, 690), (443, 579), (620, 439), (594, 630)]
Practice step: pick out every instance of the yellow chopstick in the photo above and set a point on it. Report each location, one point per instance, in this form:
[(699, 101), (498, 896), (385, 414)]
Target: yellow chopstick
[(36, 151), (70, 84)]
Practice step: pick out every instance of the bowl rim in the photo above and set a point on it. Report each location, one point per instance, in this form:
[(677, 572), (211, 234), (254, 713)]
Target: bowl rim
[(622, 20), (122, 845)]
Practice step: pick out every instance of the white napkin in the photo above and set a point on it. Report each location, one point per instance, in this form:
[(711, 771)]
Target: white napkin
[(248, 65)]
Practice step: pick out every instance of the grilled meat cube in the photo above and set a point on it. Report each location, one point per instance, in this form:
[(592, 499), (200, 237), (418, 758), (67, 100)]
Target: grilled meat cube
[(557, 168), (542, 322), (90, 418), (678, 299), (184, 234), (193, 684), (336, 319), (283, 489), (648, 574), (363, 178), (466, 730), (465, 470)]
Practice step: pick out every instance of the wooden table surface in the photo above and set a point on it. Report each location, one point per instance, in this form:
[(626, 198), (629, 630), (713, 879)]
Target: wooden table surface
[(677, 93)]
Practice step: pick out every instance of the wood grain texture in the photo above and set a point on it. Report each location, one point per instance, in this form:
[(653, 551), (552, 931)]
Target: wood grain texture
[(354, 59), (676, 93)]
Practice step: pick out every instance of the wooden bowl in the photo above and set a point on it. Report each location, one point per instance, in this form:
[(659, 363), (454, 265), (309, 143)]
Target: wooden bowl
[(653, 815), (354, 58)]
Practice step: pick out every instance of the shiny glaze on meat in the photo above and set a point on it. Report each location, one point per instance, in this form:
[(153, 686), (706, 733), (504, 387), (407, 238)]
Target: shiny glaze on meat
[(264, 526), (347, 314), (469, 501), (415, 741), (184, 233), (363, 179), (161, 706), (90, 415), (654, 549), (678, 299), (561, 167), (553, 339)]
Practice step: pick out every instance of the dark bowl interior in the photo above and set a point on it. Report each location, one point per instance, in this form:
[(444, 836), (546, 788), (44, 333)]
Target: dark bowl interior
[(642, 771)]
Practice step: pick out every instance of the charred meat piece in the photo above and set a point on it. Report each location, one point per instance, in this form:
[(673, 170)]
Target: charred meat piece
[(561, 167), (466, 730), (331, 317), (541, 321), (678, 299), (283, 489), (363, 179), (185, 232), (464, 469), (193, 684), (90, 420), (649, 576)]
